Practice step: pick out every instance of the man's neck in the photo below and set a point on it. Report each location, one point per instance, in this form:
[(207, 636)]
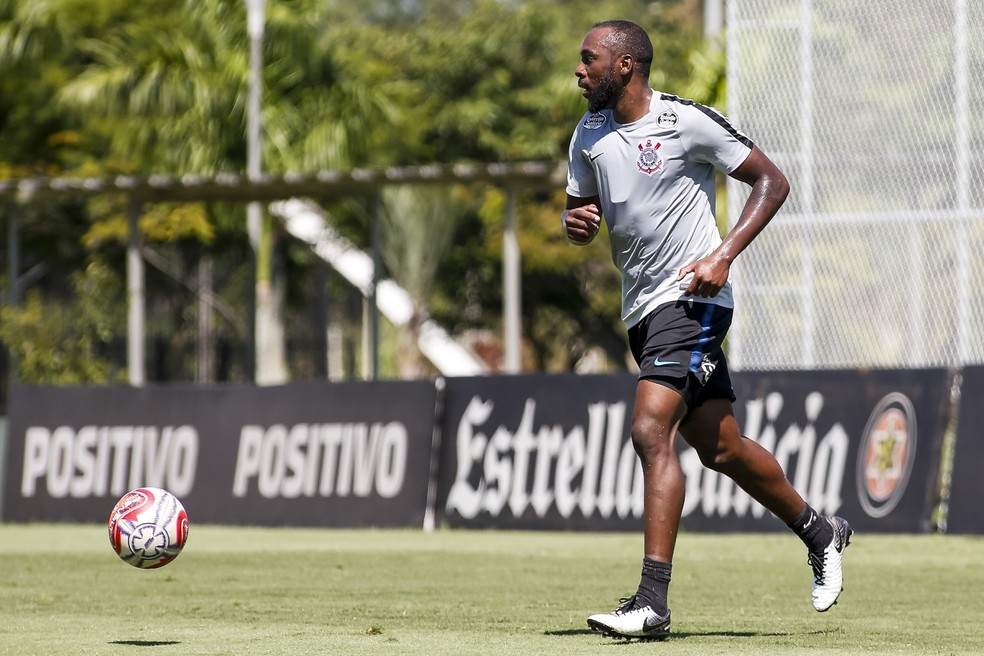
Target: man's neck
[(633, 105)]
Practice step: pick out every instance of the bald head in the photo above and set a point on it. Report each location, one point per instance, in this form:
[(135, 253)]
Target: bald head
[(624, 37)]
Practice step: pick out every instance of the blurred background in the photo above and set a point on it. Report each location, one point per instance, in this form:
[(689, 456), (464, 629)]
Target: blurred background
[(289, 190)]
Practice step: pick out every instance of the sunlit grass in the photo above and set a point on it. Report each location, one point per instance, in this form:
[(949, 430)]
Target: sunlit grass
[(306, 591)]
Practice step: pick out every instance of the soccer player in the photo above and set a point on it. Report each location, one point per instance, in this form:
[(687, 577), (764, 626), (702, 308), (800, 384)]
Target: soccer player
[(645, 162)]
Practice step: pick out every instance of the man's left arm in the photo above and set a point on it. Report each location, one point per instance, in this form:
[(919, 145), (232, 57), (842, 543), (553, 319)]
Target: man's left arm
[(769, 191)]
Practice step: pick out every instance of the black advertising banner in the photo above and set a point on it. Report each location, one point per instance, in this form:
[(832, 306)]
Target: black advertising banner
[(864, 445), (540, 452), (966, 484), (554, 451), (342, 454)]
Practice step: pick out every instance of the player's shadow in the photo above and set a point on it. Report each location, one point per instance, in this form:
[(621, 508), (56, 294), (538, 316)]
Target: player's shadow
[(145, 643), (696, 634), (743, 634)]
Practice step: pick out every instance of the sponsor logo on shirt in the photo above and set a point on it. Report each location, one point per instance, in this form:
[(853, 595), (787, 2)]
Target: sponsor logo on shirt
[(594, 121), (650, 161), (667, 119)]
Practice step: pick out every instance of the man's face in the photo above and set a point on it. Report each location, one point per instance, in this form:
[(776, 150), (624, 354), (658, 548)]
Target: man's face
[(596, 73)]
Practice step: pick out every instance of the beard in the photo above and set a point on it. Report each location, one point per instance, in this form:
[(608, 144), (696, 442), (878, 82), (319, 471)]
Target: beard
[(605, 94)]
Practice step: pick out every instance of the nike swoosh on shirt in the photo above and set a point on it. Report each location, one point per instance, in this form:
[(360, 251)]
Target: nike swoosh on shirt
[(663, 363), (594, 156)]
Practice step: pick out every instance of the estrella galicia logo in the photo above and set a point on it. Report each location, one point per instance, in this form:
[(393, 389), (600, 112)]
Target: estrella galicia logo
[(886, 454), (594, 121), (650, 161)]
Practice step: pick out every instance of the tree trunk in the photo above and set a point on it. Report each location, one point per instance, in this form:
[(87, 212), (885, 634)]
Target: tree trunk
[(205, 370), (271, 362)]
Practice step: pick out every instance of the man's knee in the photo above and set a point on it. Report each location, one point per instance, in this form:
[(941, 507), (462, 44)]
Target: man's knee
[(657, 415), (651, 438)]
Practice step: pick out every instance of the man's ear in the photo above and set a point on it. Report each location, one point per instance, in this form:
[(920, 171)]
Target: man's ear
[(626, 64)]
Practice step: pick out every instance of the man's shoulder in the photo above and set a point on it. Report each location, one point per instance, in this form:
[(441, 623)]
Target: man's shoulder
[(686, 115), (668, 103)]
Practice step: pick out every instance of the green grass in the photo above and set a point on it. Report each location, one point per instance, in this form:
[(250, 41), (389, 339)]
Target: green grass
[(241, 591)]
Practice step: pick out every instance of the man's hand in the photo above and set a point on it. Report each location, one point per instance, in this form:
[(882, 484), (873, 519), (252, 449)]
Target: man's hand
[(582, 223), (709, 275)]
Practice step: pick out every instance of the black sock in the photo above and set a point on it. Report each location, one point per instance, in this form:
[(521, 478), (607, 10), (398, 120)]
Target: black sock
[(654, 585), (812, 529)]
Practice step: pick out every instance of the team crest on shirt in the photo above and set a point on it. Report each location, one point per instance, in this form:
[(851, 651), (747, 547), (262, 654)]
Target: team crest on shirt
[(650, 161), (594, 121)]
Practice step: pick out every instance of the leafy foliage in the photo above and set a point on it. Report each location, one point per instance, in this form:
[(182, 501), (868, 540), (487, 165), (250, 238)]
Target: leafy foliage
[(160, 87), (67, 343)]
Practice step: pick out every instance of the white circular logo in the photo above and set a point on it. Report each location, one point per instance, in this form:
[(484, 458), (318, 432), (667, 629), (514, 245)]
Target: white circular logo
[(667, 119), (886, 454), (594, 121)]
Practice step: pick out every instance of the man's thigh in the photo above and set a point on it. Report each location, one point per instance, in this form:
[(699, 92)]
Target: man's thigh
[(711, 426), (657, 413)]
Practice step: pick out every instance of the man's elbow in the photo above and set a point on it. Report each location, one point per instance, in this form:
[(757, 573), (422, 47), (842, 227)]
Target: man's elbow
[(779, 187)]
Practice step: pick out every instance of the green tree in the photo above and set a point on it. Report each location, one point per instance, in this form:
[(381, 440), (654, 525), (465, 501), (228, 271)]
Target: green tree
[(497, 83), (62, 343), (160, 87), (419, 224)]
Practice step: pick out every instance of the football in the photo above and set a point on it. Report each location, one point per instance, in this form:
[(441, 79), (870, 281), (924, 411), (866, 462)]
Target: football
[(148, 527)]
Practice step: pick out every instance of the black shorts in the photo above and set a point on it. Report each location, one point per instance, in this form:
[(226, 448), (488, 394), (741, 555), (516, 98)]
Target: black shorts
[(679, 345)]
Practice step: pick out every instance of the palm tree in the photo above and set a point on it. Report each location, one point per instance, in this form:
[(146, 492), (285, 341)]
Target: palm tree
[(165, 84), (419, 228)]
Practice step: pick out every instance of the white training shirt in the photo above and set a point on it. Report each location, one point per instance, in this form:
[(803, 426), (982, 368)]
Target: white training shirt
[(655, 178)]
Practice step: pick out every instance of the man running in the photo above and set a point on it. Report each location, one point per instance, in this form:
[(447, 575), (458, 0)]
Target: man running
[(645, 162)]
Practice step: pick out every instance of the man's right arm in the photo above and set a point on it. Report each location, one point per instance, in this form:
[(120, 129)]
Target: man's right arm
[(582, 219), (582, 216)]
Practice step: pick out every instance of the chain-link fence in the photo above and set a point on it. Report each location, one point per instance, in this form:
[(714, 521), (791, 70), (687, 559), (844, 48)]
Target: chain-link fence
[(875, 110)]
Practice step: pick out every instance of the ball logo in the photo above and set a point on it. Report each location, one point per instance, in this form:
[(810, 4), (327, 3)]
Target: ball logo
[(650, 161), (149, 542), (133, 503), (886, 455), (128, 509)]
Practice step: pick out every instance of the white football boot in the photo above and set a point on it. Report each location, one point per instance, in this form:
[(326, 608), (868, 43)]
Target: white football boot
[(630, 621), (828, 574)]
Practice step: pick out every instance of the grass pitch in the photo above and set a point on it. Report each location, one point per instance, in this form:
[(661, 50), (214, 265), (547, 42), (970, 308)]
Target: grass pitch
[(242, 591)]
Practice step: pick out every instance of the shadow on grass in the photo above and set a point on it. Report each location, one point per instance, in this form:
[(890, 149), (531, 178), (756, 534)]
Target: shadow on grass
[(699, 634), (144, 643)]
